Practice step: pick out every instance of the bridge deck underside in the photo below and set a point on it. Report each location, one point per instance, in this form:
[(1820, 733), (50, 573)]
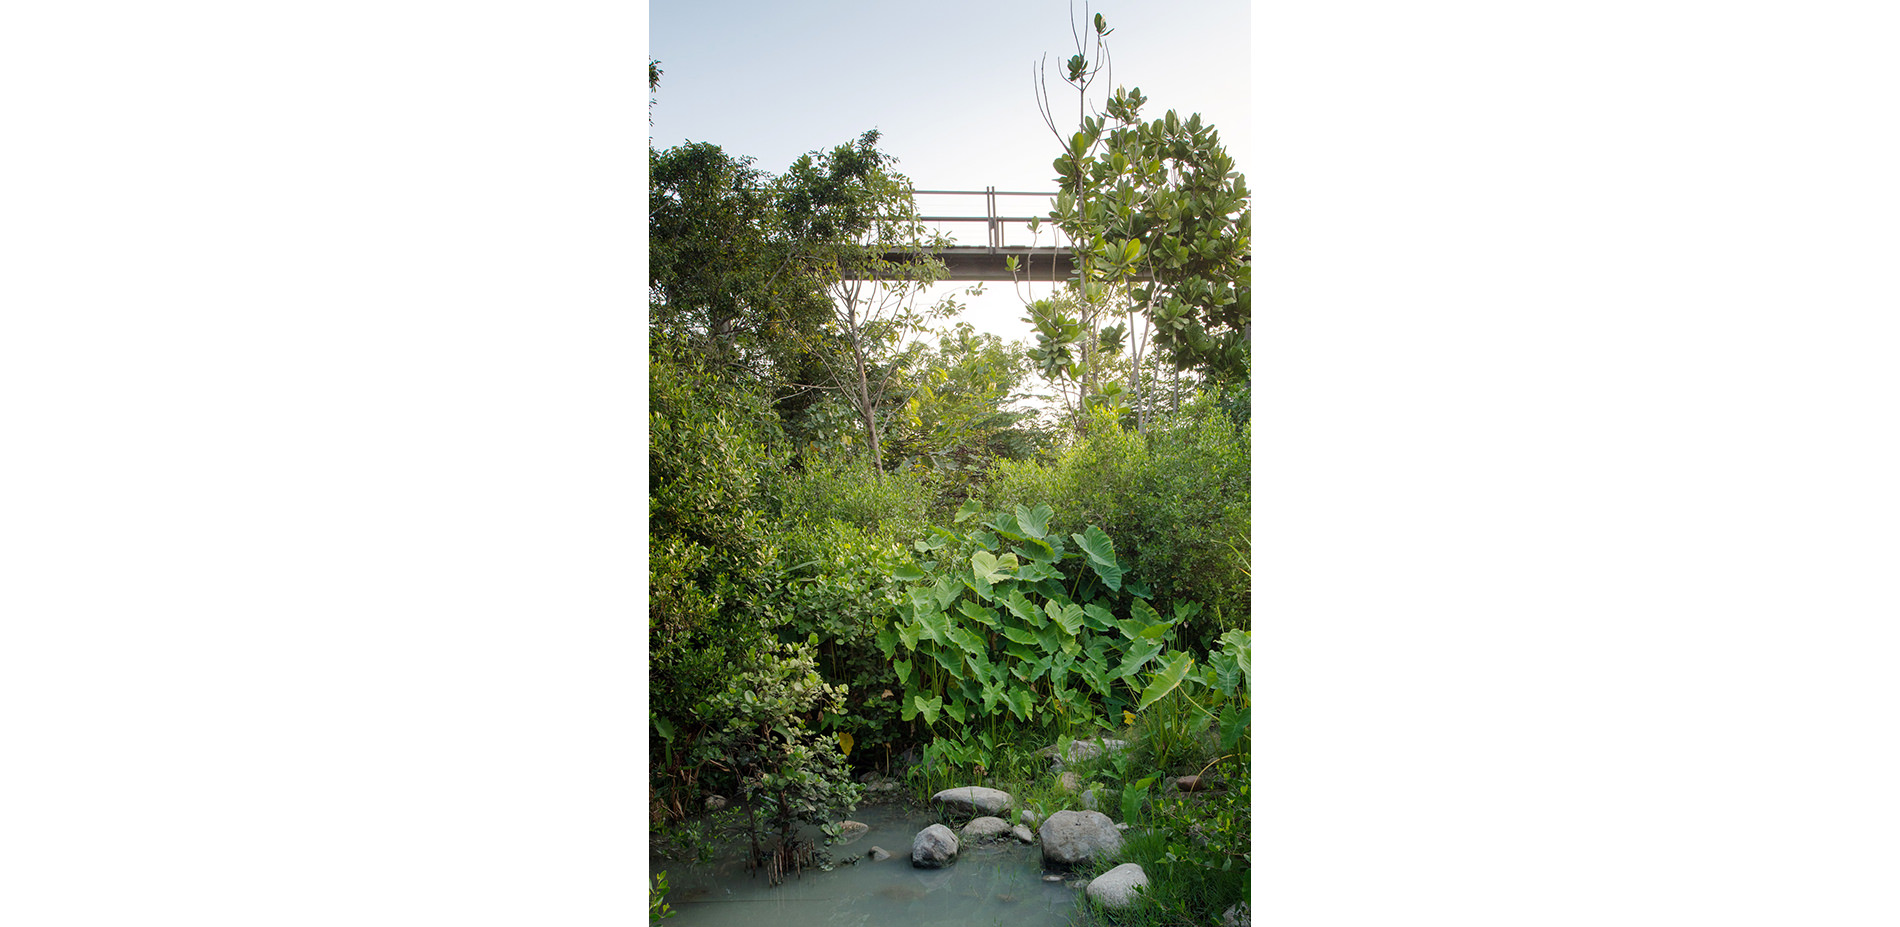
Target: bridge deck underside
[(982, 263)]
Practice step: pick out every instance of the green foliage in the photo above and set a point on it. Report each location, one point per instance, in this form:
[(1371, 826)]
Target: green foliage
[(712, 560), (1176, 501), (761, 735), (657, 908)]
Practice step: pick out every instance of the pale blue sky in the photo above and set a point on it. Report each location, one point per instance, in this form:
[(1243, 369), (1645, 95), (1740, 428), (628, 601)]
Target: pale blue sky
[(948, 86)]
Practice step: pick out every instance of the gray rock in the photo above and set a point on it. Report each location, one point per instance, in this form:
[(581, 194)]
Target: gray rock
[(1081, 751), (1089, 800), (1031, 818), (1023, 833), (1074, 838), (715, 802), (1052, 877), (1116, 887), (1197, 783), (986, 828), (934, 848), (851, 830), (879, 853), (1069, 781), (973, 800), (1237, 916)]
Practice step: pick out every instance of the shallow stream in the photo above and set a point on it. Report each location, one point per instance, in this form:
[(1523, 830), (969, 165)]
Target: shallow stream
[(988, 884)]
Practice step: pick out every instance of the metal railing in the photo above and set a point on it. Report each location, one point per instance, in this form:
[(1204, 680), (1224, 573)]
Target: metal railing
[(996, 223)]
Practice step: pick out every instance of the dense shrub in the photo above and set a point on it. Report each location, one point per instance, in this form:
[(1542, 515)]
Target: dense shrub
[(712, 559), (1176, 501)]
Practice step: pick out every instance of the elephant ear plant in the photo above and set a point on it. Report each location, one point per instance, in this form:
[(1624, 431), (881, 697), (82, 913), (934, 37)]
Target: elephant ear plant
[(787, 773), (1009, 622)]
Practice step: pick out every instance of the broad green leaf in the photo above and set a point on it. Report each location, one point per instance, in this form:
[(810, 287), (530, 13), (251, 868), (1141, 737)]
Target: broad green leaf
[(1233, 723), (949, 658), (955, 710), (1155, 632), (1036, 571), (992, 693), (1021, 635), (1067, 616), (1101, 554), (936, 625), (1005, 525), (887, 641), (1022, 703), (1137, 656), (1019, 606), (1098, 618), (1019, 651), (1240, 644), (946, 591), (903, 671), (908, 573), (1050, 637), (977, 613), (928, 707), (909, 633), (1172, 671), (1037, 550), (1144, 613), (968, 510), (965, 638), (1034, 522), (1185, 611), (985, 564), (1096, 674), (985, 540)]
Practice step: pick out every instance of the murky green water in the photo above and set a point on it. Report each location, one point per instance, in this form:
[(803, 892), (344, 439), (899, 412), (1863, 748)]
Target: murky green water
[(999, 885)]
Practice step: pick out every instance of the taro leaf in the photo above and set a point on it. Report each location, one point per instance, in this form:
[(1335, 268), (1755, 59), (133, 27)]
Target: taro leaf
[(1240, 644), (1098, 618), (946, 591), (965, 638), (1020, 606), (1038, 668), (908, 573), (980, 666), (1035, 571), (981, 586), (1049, 588), (1144, 613), (968, 510), (927, 707), (955, 710), (1131, 628), (1138, 589), (1059, 669), (887, 641), (1233, 723), (1021, 635), (1038, 550), (936, 625), (988, 566), (1067, 615), (909, 633), (1095, 672), (992, 693), (903, 671), (1139, 653), (1155, 632), (985, 540), (1101, 554), (1022, 703), (949, 659), (1173, 670), (1005, 525), (1020, 651), (977, 613), (1183, 611), (1226, 671), (1034, 522), (1133, 796), (1050, 637)]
